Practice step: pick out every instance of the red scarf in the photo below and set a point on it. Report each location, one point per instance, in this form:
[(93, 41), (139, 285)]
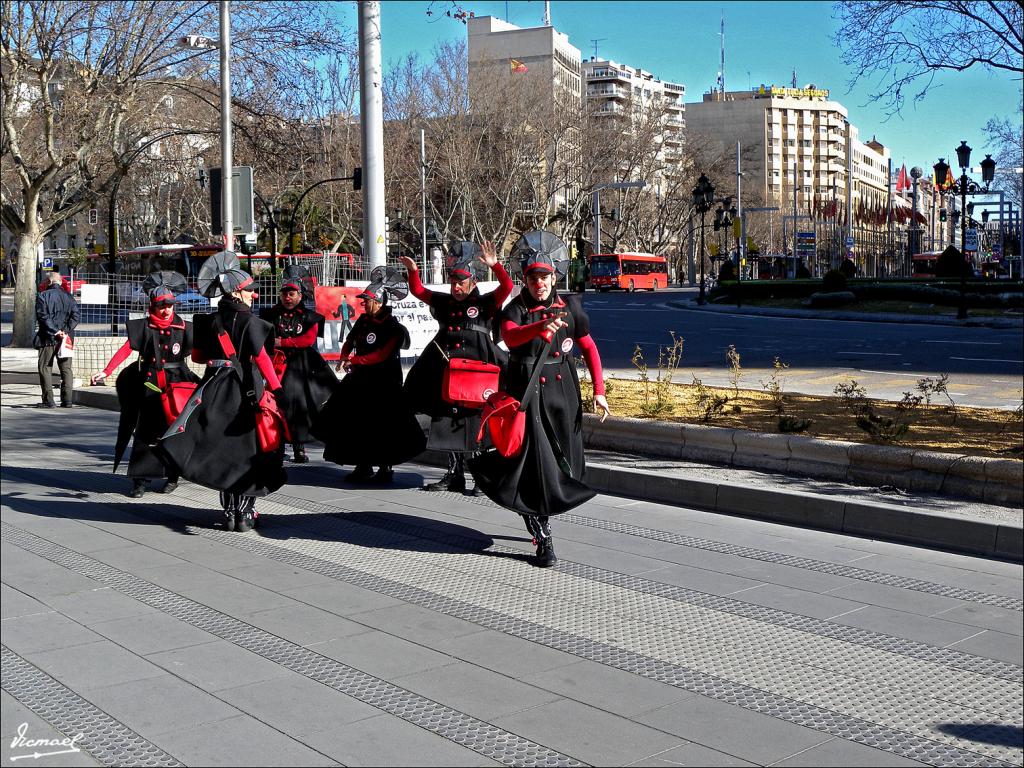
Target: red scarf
[(159, 322)]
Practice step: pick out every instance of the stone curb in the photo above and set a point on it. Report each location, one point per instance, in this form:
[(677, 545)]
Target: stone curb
[(990, 480), (874, 520), (870, 317)]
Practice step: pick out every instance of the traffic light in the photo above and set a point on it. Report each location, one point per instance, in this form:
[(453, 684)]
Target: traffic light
[(357, 179), (942, 215)]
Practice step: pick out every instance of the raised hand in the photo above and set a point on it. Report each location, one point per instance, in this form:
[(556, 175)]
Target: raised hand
[(408, 263), (488, 253)]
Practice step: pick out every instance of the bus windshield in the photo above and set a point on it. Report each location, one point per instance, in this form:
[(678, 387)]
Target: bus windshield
[(605, 266)]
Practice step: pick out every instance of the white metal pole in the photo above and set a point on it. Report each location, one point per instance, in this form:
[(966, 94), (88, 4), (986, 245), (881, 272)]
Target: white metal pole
[(226, 167), (742, 241), (372, 124), (423, 197), (795, 260), (596, 211)]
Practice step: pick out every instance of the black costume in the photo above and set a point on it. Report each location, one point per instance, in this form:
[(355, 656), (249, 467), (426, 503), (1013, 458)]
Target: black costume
[(214, 442), (368, 420), (545, 477), (307, 381), (466, 328)]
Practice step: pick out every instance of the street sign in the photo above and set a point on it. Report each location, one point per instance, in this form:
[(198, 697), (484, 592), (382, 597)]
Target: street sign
[(971, 240), (47, 262), (849, 242), (806, 245)]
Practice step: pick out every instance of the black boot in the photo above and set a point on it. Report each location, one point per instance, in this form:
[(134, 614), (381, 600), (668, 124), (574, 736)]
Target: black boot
[(138, 488), (384, 475), (227, 501), (541, 532), (246, 517), (299, 454), (454, 479), (361, 474), (170, 485)]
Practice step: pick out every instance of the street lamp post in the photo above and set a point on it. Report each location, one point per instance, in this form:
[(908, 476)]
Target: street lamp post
[(964, 186), (703, 199)]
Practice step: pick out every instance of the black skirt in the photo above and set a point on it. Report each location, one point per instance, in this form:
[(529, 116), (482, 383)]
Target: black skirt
[(216, 445), (307, 384)]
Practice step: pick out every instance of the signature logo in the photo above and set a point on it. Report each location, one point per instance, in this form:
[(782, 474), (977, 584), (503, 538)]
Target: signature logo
[(21, 741)]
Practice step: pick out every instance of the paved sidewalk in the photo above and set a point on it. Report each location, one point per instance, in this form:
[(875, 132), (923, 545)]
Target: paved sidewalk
[(388, 626)]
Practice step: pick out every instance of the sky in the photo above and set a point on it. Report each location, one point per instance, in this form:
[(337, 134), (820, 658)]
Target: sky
[(765, 42)]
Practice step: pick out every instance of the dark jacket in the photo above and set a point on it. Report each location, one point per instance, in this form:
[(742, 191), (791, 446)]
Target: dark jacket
[(56, 310)]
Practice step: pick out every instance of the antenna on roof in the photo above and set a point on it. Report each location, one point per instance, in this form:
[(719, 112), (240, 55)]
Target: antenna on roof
[(547, 13), (595, 41), (721, 68), (794, 77)]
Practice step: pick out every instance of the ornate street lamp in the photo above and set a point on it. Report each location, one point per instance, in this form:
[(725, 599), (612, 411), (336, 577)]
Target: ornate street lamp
[(964, 187), (703, 199)]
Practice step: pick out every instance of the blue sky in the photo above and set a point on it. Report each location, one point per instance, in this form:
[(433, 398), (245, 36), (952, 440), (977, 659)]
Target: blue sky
[(765, 42)]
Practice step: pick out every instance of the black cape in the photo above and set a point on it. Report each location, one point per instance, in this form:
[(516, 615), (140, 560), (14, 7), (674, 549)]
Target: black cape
[(546, 477), (214, 443), (307, 381), (368, 419)]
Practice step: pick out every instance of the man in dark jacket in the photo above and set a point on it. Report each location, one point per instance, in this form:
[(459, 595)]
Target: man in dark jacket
[(57, 315)]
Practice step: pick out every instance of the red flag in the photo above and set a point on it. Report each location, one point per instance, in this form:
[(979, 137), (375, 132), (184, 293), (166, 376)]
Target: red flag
[(903, 181), (517, 66)]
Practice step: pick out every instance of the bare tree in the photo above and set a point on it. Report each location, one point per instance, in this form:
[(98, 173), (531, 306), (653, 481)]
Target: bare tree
[(1004, 135), (88, 84), (905, 44)]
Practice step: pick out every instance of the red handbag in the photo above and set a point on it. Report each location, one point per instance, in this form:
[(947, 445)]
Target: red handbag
[(469, 382), (271, 427), (504, 417), (504, 420), (174, 396)]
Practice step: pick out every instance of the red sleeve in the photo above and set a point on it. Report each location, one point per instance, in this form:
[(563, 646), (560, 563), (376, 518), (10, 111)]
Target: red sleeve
[(505, 286), (119, 357), (266, 367), (416, 287), (593, 358), (377, 356), (516, 335), (306, 339)]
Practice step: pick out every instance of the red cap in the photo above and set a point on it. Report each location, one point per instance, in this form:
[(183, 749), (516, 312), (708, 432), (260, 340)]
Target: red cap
[(540, 266)]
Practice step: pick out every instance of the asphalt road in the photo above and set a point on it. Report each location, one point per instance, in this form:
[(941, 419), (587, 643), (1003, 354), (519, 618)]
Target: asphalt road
[(985, 365)]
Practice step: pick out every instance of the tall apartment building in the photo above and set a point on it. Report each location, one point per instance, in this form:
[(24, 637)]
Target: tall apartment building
[(804, 145), (618, 91), (546, 59)]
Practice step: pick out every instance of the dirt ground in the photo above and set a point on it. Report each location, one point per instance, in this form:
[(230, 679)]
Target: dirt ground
[(970, 431)]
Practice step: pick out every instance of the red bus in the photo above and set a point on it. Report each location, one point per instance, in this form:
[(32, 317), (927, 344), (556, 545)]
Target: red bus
[(924, 264), (628, 271)]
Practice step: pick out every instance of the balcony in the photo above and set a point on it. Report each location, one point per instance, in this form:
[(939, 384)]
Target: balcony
[(611, 91)]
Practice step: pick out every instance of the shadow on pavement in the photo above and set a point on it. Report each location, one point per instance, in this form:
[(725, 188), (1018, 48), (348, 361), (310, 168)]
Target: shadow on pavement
[(371, 529), (986, 733)]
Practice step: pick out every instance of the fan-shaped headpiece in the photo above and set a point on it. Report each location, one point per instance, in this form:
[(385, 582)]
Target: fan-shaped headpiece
[(386, 282), (540, 250), (222, 273), (163, 286), (463, 260)]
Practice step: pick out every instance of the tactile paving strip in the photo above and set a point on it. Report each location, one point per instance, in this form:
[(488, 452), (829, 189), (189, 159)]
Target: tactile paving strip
[(820, 566), (878, 735), (328, 533), (104, 738), (867, 638), (488, 740), (581, 644)]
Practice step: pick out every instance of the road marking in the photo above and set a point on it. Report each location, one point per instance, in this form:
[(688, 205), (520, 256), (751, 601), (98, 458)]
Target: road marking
[(972, 343), (887, 354), (988, 360)]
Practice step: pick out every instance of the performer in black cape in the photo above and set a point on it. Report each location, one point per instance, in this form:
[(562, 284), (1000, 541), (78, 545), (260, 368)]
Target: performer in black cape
[(368, 421), (466, 323), (163, 342), (545, 477), (307, 380), (214, 442)]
